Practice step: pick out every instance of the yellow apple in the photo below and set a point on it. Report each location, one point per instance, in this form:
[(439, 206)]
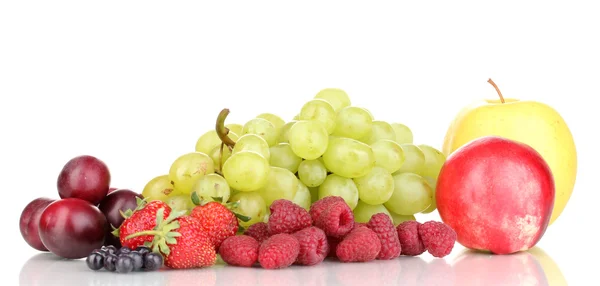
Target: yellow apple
[(533, 123)]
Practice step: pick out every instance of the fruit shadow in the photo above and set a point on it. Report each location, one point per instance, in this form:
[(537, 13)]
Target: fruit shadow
[(466, 267), (531, 267)]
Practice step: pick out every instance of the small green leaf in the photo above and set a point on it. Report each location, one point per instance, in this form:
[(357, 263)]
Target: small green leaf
[(217, 199), (241, 229), (164, 248), (175, 234), (160, 216), (115, 232), (242, 217), (171, 226), (170, 240), (195, 199)]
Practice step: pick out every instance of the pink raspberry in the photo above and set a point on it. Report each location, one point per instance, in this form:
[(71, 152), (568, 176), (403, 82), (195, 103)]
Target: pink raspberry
[(278, 251), (239, 250), (336, 220), (313, 246), (321, 205), (408, 233), (259, 230), (437, 237), (383, 226), (287, 217), (360, 245)]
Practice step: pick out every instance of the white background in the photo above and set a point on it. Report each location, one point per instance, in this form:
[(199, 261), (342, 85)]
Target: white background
[(136, 83)]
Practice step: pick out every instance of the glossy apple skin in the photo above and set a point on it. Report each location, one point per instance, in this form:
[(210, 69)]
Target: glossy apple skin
[(71, 228), (84, 177), (29, 222), (497, 194)]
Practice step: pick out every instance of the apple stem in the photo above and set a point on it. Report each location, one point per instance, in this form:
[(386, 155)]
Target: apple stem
[(497, 89)]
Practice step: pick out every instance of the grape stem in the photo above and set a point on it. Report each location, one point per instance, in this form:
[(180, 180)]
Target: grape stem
[(222, 131), (497, 89)]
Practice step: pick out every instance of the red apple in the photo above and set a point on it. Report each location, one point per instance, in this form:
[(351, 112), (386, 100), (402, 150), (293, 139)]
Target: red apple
[(497, 194)]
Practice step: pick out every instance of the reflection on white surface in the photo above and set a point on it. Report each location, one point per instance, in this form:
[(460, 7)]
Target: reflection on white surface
[(466, 268)]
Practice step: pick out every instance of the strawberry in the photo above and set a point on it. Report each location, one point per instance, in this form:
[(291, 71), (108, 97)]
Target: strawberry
[(181, 240), (217, 219), (141, 219)]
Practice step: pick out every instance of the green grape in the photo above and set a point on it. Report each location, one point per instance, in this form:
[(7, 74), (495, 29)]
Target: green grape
[(433, 184), (388, 154), (281, 184), (348, 157), (180, 203), (434, 160), (412, 194), (252, 142), (308, 139), (335, 185), (403, 133), (262, 128), (398, 219), (274, 119), (353, 122), (414, 159), (216, 156), (188, 168), (321, 111), (363, 211), (158, 189), (312, 172), (335, 96), (212, 186), (284, 132), (376, 187), (250, 204), (380, 130), (314, 194), (302, 197), (246, 171), (283, 156), (209, 140), (235, 128)]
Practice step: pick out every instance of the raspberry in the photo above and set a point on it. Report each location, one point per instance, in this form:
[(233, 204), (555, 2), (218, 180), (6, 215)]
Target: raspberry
[(287, 217), (360, 245), (278, 251), (383, 226), (321, 205), (359, 224), (437, 237), (239, 250), (259, 230), (336, 220), (313, 246), (408, 233)]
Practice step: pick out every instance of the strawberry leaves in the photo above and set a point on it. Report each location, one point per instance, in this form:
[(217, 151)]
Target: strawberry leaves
[(165, 233)]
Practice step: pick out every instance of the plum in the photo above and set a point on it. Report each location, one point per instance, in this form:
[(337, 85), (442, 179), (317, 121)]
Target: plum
[(84, 177), (71, 228), (29, 222)]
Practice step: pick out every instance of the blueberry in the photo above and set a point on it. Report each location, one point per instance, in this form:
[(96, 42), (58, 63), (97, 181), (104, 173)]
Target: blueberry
[(143, 250), (109, 262), (153, 261), (95, 261), (111, 249), (124, 264), (138, 260), (124, 250)]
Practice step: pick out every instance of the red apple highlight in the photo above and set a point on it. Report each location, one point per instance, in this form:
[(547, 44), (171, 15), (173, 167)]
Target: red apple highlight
[(497, 194)]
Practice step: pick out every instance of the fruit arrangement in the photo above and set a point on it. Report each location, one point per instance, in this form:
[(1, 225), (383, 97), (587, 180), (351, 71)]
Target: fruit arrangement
[(334, 182)]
